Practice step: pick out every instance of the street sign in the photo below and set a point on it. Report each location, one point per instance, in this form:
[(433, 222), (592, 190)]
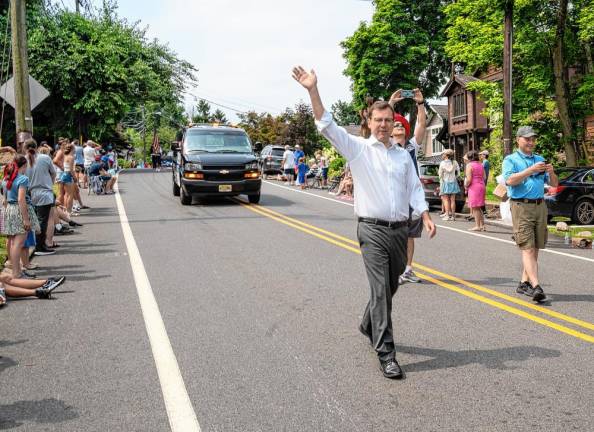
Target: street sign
[(37, 92)]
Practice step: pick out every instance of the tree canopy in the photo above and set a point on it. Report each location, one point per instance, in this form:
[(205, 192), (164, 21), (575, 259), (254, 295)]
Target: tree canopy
[(553, 85), (98, 67), (402, 47)]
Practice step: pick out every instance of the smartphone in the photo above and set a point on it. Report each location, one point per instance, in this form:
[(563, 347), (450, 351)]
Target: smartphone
[(407, 94)]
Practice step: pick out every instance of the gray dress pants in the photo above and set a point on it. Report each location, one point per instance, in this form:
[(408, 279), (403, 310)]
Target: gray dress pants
[(384, 256)]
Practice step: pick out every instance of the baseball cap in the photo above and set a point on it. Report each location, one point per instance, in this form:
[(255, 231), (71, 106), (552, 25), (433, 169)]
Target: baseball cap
[(485, 152), (526, 132)]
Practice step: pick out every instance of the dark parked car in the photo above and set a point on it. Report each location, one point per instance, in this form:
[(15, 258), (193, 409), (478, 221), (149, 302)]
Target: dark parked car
[(574, 197), (271, 158), (429, 174)]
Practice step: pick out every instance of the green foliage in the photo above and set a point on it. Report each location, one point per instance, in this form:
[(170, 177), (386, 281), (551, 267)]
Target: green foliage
[(586, 21), (475, 40), (219, 116), (345, 113), (203, 114), (98, 67), (336, 166), (402, 47), (263, 128)]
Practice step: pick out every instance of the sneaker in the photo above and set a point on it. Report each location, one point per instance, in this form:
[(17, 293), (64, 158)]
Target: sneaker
[(45, 291), (53, 282), (525, 288), (74, 224), (75, 213), (32, 266), (26, 274), (85, 207), (410, 276), (44, 251), (538, 294), (401, 280), (64, 230), (76, 208)]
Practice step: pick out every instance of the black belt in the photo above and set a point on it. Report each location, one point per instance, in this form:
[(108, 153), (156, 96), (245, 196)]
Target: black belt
[(375, 221), (528, 201)]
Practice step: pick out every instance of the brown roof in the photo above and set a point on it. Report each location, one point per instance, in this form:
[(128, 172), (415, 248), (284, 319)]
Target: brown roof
[(442, 110), (461, 79)]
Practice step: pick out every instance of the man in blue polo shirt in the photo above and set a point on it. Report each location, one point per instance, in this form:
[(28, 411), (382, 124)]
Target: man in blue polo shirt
[(525, 174)]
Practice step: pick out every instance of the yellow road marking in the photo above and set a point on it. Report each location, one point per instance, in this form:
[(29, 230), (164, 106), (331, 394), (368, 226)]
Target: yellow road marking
[(327, 236), (452, 278)]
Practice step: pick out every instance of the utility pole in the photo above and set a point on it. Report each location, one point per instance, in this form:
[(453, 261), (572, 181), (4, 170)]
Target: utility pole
[(20, 66), (77, 6), (507, 77)]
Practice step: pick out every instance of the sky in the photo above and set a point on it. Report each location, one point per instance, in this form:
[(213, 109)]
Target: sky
[(245, 49)]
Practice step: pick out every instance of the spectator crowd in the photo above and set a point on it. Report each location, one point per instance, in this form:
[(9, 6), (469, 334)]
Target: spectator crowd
[(41, 199)]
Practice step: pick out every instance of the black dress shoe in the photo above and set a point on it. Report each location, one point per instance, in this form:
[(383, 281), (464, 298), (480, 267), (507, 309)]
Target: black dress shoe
[(364, 333), (391, 369)]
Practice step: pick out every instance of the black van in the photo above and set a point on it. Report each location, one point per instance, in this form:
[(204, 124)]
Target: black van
[(215, 160)]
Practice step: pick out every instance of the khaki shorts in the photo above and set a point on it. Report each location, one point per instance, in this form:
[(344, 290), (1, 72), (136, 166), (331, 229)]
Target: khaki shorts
[(530, 224)]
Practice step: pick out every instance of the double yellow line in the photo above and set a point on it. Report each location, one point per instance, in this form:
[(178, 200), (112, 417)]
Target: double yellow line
[(445, 280)]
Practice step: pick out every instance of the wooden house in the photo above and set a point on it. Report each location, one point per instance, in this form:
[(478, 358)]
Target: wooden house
[(467, 127)]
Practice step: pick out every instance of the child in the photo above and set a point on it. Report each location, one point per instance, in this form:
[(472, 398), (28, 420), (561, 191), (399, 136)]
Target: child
[(302, 169)]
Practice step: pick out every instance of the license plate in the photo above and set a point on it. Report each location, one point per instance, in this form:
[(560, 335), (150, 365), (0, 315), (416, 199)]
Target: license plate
[(225, 188)]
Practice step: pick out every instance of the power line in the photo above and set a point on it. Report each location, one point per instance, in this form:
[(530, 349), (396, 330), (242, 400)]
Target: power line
[(237, 110)]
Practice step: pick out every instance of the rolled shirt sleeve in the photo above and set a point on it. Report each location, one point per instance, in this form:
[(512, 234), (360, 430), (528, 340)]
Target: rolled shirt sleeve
[(347, 145)]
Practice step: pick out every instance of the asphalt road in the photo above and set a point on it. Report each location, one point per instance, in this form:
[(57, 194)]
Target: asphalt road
[(260, 306)]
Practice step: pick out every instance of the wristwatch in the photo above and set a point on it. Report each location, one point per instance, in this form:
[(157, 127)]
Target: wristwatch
[(421, 103)]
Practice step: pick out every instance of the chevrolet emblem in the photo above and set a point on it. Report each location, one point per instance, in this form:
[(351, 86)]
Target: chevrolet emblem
[(224, 172)]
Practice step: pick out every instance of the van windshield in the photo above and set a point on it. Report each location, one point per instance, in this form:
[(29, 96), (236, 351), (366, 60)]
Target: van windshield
[(223, 141)]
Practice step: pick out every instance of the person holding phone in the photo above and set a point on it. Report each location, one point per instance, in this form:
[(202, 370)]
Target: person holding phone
[(401, 134), (525, 174)]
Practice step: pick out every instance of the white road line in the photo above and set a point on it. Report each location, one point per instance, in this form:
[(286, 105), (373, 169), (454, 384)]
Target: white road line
[(442, 226), (180, 412), (306, 193)]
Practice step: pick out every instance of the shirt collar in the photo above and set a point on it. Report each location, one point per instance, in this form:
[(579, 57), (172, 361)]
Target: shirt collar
[(524, 155), (372, 140)]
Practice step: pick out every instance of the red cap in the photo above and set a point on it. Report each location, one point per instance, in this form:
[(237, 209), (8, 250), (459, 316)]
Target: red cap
[(404, 121)]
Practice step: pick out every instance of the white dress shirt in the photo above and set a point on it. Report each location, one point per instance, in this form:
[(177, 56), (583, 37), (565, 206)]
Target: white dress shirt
[(384, 179)]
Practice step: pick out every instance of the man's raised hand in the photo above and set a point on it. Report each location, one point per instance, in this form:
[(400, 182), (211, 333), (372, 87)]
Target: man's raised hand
[(307, 79)]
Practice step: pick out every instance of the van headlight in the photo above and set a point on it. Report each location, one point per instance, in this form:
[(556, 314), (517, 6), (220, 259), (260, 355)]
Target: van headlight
[(193, 166), (252, 165)]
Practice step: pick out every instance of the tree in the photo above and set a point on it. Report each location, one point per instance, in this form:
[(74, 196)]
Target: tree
[(263, 128), (301, 128), (98, 67), (549, 40), (345, 113), (219, 116), (402, 47), (203, 114)]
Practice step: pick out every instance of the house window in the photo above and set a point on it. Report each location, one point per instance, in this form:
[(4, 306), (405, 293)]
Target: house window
[(459, 105), (436, 146)]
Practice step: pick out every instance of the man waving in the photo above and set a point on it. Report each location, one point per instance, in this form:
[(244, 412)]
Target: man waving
[(386, 185)]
